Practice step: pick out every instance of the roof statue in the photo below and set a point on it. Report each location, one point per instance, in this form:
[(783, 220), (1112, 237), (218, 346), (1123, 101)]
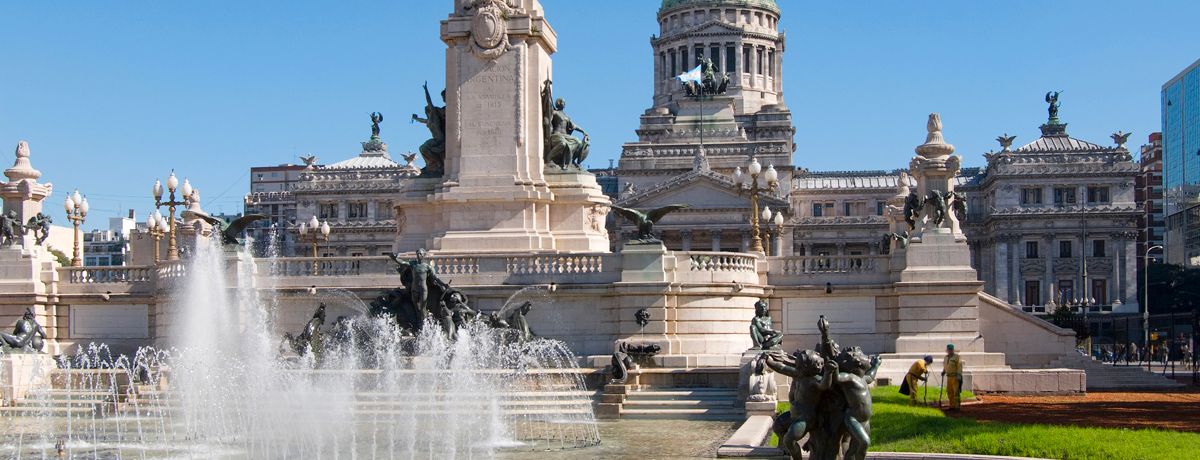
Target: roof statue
[(1052, 99), (1120, 138), (229, 231), (310, 162), (1006, 142), (1054, 126), (645, 220), (376, 119)]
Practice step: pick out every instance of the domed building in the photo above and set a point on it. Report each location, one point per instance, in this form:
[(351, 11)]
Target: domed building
[(689, 145)]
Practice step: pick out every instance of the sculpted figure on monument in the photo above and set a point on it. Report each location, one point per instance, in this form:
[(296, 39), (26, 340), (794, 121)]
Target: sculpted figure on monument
[(764, 335), (11, 229), (27, 336), (1052, 99), (831, 399), (310, 340), (560, 146), (645, 221), (376, 119), (514, 318), (434, 149)]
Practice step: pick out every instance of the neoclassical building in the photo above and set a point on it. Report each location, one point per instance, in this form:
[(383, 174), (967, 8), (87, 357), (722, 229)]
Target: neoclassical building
[(690, 147)]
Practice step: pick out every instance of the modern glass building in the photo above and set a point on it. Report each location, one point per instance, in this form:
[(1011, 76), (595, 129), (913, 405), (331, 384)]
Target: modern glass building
[(1181, 152)]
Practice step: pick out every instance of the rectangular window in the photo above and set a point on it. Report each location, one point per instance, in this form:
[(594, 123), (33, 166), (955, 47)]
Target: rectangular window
[(771, 63), (1064, 249), (1100, 291), (758, 61), (848, 209), (1064, 196), (1066, 291), (327, 211), (383, 210), (1031, 249), (699, 54), (683, 59), (714, 53), (1098, 249), (817, 210), (1098, 195), (746, 59), (674, 67), (662, 64), (879, 206), (730, 59), (1031, 196), (1033, 293), (356, 211)]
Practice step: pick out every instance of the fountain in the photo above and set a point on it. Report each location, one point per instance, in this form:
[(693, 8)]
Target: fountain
[(223, 389)]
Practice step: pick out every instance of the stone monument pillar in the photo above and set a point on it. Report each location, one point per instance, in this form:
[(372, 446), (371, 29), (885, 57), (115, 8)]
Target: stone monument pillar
[(497, 193), (938, 290), (22, 193)]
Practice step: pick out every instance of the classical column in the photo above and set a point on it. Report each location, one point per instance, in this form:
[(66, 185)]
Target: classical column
[(1015, 275), (1048, 277), (716, 241), (777, 243), (685, 238), (1001, 270), (1115, 252), (1130, 280), (745, 241)]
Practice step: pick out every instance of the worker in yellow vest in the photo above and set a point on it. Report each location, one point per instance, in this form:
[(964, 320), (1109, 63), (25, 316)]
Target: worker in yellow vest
[(918, 372), (952, 372)]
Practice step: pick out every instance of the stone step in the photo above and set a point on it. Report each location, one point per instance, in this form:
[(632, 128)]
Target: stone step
[(683, 414), (684, 393), (682, 403), (29, 402), (57, 411)]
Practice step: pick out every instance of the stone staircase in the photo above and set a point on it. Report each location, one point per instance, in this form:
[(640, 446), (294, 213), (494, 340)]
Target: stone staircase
[(677, 404), (63, 403), (1106, 377)]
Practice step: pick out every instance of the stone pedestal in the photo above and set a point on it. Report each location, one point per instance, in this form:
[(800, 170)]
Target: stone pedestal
[(22, 372), (714, 113), (495, 195), (938, 297)]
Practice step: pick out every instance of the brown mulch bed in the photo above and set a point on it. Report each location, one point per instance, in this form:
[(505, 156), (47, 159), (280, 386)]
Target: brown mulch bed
[(1179, 411)]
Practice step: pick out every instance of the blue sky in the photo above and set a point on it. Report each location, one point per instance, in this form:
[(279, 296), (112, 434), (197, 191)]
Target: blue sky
[(114, 94)]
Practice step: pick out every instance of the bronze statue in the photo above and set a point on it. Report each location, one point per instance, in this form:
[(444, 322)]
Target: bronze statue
[(830, 397), (764, 335), (27, 336), (434, 149), (804, 368), (419, 278), (937, 201), (310, 340), (376, 119), (645, 220), (900, 238), (709, 84), (642, 317), (229, 231), (1052, 99), (958, 205), (514, 318), (11, 229), (621, 362), (560, 146), (912, 210)]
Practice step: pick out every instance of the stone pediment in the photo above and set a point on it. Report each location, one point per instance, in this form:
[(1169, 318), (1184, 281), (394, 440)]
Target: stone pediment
[(715, 28), (701, 189)]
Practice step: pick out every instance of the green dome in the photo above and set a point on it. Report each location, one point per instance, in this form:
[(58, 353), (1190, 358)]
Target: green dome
[(764, 4)]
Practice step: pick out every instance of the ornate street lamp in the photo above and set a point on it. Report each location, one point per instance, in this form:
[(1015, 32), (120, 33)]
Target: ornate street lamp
[(314, 231), (1146, 303), (773, 222), (171, 203), (771, 179), (77, 209), (156, 225)]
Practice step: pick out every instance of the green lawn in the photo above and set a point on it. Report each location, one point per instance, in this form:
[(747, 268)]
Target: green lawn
[(899, 427)]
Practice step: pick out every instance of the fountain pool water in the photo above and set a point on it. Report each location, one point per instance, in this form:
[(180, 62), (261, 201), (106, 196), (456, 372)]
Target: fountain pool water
[(223, 391)]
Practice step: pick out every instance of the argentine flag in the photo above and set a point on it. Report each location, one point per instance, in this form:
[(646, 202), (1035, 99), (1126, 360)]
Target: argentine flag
[(691, 75)]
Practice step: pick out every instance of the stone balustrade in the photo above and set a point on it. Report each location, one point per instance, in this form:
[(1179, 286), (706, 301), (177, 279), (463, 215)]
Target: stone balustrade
[(722, 262), (860, 269), (107, 275)]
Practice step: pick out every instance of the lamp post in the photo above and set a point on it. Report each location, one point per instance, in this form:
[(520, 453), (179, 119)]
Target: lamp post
[(771, 177), (314, 231), (156, 226), (171, 203), (77, 209), (1146, 301), (773, 222)]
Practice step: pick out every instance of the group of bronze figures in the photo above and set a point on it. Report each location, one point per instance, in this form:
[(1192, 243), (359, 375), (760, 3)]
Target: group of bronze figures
[(422, 300), (830, 399), (560, 147), (11, 228), (709, 83)]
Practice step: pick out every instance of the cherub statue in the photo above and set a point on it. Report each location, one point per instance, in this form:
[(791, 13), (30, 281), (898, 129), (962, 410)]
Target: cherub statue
[(853, 372), (39, 223), (804, 368), (376, 119)]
